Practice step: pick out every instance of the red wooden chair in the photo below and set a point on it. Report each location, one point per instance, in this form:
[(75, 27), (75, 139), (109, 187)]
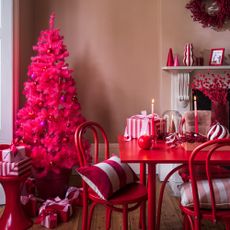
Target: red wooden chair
[(97, 181), (203, 198)]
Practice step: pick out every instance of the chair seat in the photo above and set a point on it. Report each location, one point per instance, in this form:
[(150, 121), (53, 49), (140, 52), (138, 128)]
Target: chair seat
[(131, 193)]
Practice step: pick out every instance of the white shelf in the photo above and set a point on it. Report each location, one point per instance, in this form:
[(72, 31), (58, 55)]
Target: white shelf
[(187, 69)]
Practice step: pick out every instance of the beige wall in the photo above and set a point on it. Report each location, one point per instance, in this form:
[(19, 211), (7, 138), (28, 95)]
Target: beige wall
[(117, 49)]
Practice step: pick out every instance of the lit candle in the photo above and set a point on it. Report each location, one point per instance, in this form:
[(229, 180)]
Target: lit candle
[(152, 106), (153, 122), (195, 115)]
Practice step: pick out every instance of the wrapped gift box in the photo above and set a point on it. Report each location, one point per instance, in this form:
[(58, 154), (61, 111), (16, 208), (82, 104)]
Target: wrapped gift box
[(50, 221), (191, 146), (31, 204), (15, 168), (15, 154), (138, 125)]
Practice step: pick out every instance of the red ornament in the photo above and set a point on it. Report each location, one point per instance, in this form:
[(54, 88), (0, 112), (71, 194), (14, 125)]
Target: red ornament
[(145, 142)]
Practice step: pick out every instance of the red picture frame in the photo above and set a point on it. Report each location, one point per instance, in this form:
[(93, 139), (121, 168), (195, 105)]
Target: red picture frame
[(216, 56)]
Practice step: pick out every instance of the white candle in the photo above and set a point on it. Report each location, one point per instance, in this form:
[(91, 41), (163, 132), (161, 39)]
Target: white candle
[(152, 106)]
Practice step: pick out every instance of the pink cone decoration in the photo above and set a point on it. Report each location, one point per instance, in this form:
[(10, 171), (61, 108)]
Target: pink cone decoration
[(176, 61), (188, 55), (170, 61)]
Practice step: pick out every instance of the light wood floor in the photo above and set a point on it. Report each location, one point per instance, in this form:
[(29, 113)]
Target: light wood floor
[(171, 218)]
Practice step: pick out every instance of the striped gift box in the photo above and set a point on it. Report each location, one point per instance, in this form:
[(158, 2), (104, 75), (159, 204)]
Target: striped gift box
[(139, 125), (15, 168)]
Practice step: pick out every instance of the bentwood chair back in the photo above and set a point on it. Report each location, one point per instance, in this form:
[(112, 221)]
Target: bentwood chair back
[(205, 197), (126, 199)]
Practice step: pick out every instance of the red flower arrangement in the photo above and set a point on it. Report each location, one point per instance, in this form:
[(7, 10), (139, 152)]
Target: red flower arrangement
[(214, 86)]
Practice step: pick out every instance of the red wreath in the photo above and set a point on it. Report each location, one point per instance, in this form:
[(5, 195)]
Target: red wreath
[(217, 19)]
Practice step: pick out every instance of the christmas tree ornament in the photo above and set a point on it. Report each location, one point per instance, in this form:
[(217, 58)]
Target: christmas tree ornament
[(188, 55), (217, 131), (145, 142), (170, 61), (43, 118)]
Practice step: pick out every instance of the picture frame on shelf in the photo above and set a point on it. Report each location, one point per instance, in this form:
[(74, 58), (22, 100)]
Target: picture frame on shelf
[(216, 57)]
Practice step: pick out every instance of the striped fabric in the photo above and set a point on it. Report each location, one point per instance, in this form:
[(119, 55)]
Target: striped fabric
[(107, 177), (221, 190)]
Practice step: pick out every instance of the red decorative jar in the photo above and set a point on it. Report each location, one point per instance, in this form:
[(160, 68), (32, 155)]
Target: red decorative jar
[(53, 184)]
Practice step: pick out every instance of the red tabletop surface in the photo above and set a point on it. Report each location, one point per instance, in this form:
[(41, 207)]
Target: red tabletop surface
[(161, 153)]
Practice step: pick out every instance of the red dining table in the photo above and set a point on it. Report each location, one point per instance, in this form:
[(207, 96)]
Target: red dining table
[(159, 154)]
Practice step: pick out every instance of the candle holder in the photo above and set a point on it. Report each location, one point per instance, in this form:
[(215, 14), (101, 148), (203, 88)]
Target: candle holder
[(173, 121)]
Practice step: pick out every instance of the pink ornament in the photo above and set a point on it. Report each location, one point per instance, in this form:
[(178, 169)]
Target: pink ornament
[(170, 61), (33, 76), (176, 61), (145, 142), (217, 131), (188, 55)]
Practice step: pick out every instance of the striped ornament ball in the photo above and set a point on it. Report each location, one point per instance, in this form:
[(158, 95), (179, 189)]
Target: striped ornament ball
[(217, 131)]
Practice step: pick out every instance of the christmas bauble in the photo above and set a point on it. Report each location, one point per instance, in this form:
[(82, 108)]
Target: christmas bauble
[(217, 131), (145, 142)]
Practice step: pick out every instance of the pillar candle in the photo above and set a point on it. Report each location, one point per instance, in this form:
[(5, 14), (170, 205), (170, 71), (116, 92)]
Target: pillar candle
[(172, 127), (153, 121), (195, 115)]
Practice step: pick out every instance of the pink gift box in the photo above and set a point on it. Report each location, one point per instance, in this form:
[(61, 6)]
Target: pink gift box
[(9, 155), (16, 168), (139, 125)]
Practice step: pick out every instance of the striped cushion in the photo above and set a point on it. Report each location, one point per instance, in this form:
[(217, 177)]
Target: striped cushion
[(221, 190), (107, 177)]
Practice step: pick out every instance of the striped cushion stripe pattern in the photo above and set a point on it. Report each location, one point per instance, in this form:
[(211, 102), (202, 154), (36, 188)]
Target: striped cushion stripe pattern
[(221, 190), (107, 177)]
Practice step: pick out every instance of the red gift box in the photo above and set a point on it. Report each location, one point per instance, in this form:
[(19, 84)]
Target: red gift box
[(47, 218), (31, 204), (15, 168), (62, 207), (74, 195)]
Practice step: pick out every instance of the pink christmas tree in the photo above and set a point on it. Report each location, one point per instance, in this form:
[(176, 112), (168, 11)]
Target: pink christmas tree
[(51, 113)]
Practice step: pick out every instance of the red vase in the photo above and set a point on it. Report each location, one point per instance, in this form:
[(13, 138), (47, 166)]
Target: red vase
[(220, 113), (53, 184)]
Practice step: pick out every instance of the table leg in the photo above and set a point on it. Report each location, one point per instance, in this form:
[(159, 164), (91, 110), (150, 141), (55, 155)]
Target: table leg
[(13, 217), (151, 196)]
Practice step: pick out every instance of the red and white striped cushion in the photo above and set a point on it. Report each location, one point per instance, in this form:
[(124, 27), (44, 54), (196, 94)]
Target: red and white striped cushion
[(107, 177), (221, 190)]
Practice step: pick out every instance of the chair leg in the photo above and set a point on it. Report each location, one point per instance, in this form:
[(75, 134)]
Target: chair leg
[(84, 212), (197, 224), (227, 226), (108, 218), (125, 217), (142, 221), (186, 223), (91, 214)]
